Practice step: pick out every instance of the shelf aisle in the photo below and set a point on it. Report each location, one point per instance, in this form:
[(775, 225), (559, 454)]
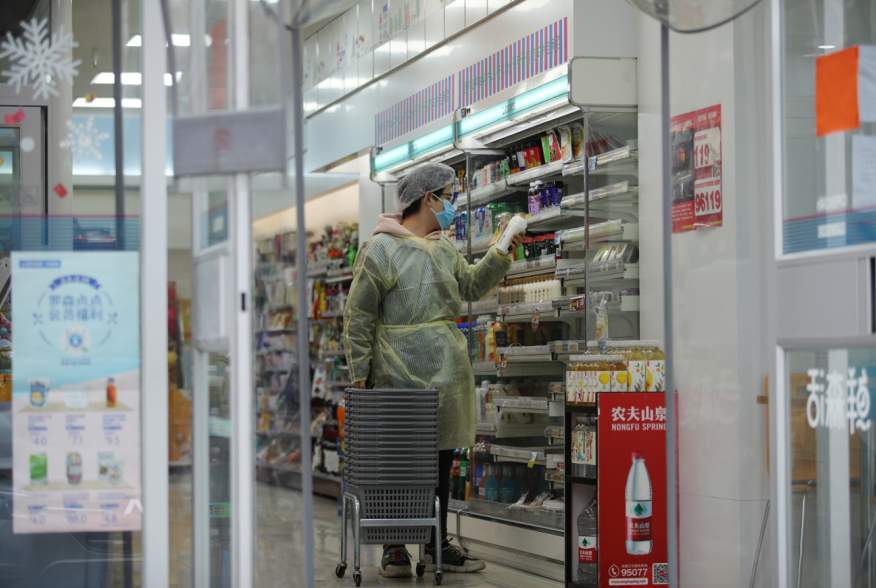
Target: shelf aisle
[(277, 417)]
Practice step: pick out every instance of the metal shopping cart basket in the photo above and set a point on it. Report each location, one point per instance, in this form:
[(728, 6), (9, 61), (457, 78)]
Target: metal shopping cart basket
[(391, 472)]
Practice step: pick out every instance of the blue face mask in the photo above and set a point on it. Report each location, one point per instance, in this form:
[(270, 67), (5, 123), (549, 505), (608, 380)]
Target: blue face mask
[(446, 216)]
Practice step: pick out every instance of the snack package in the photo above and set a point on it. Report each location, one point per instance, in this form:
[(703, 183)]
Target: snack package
[(577, 141)]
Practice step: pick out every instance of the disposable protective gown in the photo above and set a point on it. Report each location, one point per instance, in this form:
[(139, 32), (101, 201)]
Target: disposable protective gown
[(399, 329)]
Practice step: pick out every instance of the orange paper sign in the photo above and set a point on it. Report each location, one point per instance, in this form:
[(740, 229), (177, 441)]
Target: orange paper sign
[(836, 92)]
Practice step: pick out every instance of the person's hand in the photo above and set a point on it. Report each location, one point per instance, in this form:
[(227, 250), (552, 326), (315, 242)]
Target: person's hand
[(516, 242)]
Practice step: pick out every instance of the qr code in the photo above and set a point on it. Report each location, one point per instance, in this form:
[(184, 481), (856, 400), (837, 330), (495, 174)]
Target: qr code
[(660, 572)]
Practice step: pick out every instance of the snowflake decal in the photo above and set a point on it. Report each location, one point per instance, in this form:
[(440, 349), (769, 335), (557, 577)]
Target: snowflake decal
[(84, 138), (39, 60)]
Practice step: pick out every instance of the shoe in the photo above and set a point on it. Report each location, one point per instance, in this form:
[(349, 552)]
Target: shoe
[(453, 559), (396, 563)]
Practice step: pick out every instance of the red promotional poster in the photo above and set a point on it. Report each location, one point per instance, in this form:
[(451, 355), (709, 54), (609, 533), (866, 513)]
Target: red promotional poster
[(632, 489), (696, 170)]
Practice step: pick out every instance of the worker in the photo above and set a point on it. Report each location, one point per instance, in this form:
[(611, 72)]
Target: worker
[(409, 286)]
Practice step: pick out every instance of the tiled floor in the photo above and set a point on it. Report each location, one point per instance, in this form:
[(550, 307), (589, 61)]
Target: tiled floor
[(279, 547), (279, 550)]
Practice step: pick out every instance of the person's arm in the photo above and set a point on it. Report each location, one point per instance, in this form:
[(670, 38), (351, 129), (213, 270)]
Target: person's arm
[(477, 279), (360, 317)]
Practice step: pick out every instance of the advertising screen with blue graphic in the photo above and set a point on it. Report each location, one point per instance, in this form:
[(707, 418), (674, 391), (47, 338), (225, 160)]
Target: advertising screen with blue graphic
[(76, 391)]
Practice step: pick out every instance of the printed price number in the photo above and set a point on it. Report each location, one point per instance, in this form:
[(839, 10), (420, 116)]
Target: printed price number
[(75, 437), (707, 147), (110, 518), (38, 518), (77, 518), (112, 439), (39, 439), (707, 201)]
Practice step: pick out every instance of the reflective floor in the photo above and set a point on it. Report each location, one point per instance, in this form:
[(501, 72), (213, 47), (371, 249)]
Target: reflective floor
[(279, 549)]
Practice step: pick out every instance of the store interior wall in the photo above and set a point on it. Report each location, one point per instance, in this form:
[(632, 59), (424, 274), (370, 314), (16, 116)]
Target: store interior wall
[(341, 205), (719, 297)]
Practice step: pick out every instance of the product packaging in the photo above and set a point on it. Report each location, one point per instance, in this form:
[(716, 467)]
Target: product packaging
[(638, 497), (109, 468), (74, 468), (39, 469), (39, 393), (565, 143)]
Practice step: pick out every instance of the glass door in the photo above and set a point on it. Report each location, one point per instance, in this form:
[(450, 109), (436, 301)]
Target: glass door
[(826, 288)]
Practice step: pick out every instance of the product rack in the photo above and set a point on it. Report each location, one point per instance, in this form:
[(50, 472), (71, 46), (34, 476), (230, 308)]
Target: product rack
[(276, 414), (600, 207)]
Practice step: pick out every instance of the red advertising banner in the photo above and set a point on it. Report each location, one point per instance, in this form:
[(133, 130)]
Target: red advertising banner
[(632, 489), (697, 195)]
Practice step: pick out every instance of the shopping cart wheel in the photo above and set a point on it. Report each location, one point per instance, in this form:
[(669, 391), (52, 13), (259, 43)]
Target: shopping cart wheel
[(421, 569), (357, 577), (437, 578), (341, 570)]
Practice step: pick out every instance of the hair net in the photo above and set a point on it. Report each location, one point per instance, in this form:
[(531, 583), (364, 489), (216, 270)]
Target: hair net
[(428, 177)]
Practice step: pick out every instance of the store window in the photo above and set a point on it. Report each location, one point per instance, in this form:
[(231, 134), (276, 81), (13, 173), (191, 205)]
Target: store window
[(829, 124), (832, 466), (70, 403)]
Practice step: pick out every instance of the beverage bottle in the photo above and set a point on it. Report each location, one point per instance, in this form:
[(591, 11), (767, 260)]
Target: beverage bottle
[(491, 487), (111, 393), (588, 567), (638, 506), (656, 376), (463, 474), (534, 200), (506, 485)]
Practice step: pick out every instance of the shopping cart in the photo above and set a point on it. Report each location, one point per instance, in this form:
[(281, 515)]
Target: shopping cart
[(391, 472)]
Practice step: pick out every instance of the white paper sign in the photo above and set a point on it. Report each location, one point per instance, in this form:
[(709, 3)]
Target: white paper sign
[(863, 171)]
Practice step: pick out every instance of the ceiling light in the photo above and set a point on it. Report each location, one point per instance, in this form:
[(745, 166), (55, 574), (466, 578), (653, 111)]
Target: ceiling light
[(129, 78), (106, 103), (178, 40), (826, 47)]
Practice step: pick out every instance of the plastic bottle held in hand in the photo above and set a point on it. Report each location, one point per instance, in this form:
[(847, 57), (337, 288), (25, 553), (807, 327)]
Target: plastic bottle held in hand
[(638, 502), (587, 545)]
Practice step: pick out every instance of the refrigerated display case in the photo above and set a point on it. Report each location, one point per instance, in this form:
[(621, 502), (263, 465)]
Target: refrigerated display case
[(572, 170)]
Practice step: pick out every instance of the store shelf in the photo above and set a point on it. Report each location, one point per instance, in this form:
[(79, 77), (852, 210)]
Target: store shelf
[(525, 455), (485, 428), (509, 311), (289, 476), (338, 277), (525, 354), (538, 518), (276, 332), (531, 267), (613, 231), (490, 193), (332, 314), (617, 162), (484, 368), (555, 218), (522, 404), (542, 172), (489, 306)]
